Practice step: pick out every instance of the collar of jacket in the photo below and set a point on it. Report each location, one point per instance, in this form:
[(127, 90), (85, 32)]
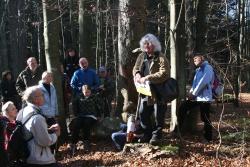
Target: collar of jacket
[(84, 69), (202, 66), (155, 56)]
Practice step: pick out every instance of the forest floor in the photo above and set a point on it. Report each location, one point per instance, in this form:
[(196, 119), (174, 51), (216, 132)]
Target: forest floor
[(234, 149)]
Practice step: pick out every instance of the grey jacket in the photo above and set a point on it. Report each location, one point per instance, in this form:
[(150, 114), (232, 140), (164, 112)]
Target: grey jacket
[(39, 145)]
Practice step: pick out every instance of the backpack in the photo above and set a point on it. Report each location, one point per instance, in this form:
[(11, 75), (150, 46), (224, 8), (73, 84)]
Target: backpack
[(217, 86), (14, 141)]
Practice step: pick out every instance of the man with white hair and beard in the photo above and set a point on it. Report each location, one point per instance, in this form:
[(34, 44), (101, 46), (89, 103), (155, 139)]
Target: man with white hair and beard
[(151, 65)]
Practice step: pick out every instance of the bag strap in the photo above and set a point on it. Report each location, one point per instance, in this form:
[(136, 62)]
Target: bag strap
[(30, 117)]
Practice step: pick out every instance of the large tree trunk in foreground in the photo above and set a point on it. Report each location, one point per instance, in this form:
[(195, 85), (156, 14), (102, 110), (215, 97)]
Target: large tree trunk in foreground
[(51, 41), (130, 29)]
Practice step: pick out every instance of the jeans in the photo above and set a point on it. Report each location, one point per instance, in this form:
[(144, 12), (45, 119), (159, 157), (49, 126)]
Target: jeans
[(119, 139), (204, 110)]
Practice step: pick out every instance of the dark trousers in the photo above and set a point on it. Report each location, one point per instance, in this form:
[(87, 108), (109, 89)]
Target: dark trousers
[(204, 110), (84, 123), (146, 111)]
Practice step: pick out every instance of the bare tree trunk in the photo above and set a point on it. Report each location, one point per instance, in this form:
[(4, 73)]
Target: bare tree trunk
[(17, 36), (173, 60), (130, 29), (51, 41), (3, 40), (72, 23), (241, 7), (181, 51), (191, 35), (85, 31), (201, 25), (190, 15)]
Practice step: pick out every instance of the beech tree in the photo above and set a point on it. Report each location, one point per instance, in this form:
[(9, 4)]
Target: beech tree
[(51, 41), (131, 27)]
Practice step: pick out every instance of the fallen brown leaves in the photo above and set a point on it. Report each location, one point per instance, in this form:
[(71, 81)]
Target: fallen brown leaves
[(193, 151)]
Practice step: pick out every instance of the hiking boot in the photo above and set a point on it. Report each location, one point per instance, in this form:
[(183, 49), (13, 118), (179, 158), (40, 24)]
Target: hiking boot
[(154, 140)]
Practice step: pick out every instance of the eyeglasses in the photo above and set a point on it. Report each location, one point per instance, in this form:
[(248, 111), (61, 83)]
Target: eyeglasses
[(41, 95)]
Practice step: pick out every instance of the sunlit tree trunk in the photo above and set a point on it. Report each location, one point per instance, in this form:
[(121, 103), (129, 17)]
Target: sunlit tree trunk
[(173, 59), (51, 41)]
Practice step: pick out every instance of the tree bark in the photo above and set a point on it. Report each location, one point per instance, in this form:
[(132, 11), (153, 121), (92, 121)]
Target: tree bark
[(3, 40), (51, 41), (17, 36), (201, 26), (173, 59), (131, 27), (85, 31)]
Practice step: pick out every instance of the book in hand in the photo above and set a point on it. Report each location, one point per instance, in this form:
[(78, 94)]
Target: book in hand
[(143, 88)]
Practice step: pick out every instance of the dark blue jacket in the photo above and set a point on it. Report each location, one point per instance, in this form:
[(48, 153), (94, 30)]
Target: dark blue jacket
[(84, 77)]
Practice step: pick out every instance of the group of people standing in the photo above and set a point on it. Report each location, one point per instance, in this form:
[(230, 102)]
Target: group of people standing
[(40, 107), (90, 90), (39, 112)]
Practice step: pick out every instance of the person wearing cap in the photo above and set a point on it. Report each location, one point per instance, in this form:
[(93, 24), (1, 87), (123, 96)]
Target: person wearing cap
[(107, 86), (153, 66), (84, 76), (200, 94)]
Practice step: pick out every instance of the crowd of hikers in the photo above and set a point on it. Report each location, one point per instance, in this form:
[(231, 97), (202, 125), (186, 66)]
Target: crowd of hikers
[(29, 117)]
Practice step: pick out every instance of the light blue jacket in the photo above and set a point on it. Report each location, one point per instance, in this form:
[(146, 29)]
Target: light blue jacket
[(50, 106), (202, 83)]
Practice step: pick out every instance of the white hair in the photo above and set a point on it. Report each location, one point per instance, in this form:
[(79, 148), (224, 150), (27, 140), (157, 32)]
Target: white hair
[(29, 93), (150, 38), (5, 107)]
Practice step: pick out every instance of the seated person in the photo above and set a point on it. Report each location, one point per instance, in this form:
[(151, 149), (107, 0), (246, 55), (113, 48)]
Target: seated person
[(87, 113), (129, 132), (107, 86)]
